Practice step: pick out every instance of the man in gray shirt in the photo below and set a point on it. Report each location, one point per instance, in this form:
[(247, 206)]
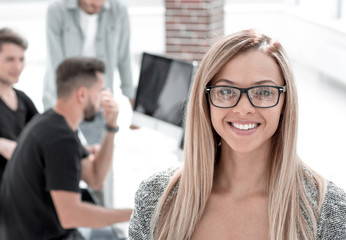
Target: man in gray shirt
[(89, 28)]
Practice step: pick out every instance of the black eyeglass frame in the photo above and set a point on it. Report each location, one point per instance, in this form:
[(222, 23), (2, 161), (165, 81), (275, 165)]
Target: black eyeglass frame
[(281, 89)]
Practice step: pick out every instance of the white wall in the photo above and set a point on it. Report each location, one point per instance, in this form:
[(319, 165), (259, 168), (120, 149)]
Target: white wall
[(309, 41), (316, 46), (317, 49)]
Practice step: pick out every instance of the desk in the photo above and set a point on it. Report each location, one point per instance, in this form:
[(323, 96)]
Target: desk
[(138, 154)]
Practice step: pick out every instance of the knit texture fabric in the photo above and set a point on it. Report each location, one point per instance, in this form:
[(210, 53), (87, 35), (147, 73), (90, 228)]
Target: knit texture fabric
[(331, 223)]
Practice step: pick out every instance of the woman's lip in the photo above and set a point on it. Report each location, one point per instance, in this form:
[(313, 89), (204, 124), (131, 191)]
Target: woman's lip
[(244, 128), (244, 121)]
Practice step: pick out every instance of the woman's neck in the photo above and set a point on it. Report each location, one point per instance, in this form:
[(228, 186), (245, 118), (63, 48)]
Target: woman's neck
[(242, 174)]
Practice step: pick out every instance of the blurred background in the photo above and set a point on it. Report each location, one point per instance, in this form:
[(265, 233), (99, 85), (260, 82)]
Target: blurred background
[(313, 32)]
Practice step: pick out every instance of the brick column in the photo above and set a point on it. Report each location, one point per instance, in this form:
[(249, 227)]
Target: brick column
[(190, 26)]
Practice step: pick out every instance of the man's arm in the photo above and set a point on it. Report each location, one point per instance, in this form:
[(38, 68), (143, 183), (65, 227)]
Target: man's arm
[(54, 35), (96, 166), (73, 213), (7, 147), (124, 55), (124, 58)]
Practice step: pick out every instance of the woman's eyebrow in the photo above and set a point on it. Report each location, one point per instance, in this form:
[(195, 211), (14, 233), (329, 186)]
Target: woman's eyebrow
[(225, 81), (266, 81), (261, 82)]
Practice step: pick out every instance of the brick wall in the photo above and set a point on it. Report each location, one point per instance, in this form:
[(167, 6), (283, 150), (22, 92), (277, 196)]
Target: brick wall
[(190, 26)]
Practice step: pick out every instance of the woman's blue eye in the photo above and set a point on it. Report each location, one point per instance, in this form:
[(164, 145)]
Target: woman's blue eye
[(264, 92), (226, 92)]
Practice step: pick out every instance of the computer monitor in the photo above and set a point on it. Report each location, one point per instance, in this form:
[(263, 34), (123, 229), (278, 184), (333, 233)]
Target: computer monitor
[(162, 93), (163, 88)]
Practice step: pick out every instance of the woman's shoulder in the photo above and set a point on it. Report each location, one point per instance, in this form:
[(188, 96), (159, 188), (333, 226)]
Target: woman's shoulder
[(332, 220), (335, 194), (146, 199), (335, 200), (154, 186)]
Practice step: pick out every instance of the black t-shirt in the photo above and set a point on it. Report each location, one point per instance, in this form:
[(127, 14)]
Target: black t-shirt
[(12, 122), (47, 157)]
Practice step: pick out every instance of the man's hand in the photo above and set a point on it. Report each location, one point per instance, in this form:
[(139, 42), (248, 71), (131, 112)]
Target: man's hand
[(132, 102), (93, 149), (96, 166), (110, 108), (7, 147)]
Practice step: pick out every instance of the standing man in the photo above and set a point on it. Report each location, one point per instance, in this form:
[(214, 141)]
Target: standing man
[(16, 108), (40, 196), (92, 28)]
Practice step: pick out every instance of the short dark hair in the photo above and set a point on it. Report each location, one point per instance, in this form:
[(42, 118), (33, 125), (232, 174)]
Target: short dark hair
[(75, 72), (9, 36)]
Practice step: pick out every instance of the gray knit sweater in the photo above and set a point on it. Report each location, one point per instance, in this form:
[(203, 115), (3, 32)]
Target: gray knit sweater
[(331, 224)]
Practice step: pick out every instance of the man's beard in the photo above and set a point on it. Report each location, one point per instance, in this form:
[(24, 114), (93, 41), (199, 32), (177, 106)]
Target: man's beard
[(90, 112)]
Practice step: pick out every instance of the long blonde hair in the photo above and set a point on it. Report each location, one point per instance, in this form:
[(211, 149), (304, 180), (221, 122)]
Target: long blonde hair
[(291, 210)]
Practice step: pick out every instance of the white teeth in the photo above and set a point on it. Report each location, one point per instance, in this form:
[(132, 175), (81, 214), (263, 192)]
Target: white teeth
[(244, 126)]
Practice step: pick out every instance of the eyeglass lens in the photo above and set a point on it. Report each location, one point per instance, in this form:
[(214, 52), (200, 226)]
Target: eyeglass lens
[(224, 96)]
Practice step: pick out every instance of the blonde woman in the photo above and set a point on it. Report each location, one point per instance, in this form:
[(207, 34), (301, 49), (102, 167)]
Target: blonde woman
[(241, 177)]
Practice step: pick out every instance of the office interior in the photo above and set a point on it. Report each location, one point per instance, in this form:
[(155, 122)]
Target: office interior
[(313, 33)]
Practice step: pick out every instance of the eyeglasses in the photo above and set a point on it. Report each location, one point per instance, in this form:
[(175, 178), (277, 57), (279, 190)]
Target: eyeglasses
[(259, 96)]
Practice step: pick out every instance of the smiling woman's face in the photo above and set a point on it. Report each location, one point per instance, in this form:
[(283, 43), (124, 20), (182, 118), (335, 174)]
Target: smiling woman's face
[(245, 128)]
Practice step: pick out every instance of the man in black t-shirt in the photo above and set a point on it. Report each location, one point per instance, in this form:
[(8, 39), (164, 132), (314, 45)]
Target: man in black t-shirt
[(16, 108), (40, 196)]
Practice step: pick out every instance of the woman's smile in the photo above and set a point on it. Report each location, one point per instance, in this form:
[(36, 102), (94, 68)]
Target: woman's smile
[(244, 128)]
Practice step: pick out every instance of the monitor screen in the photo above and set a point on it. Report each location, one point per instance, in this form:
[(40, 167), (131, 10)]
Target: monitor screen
[(163, 88)]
